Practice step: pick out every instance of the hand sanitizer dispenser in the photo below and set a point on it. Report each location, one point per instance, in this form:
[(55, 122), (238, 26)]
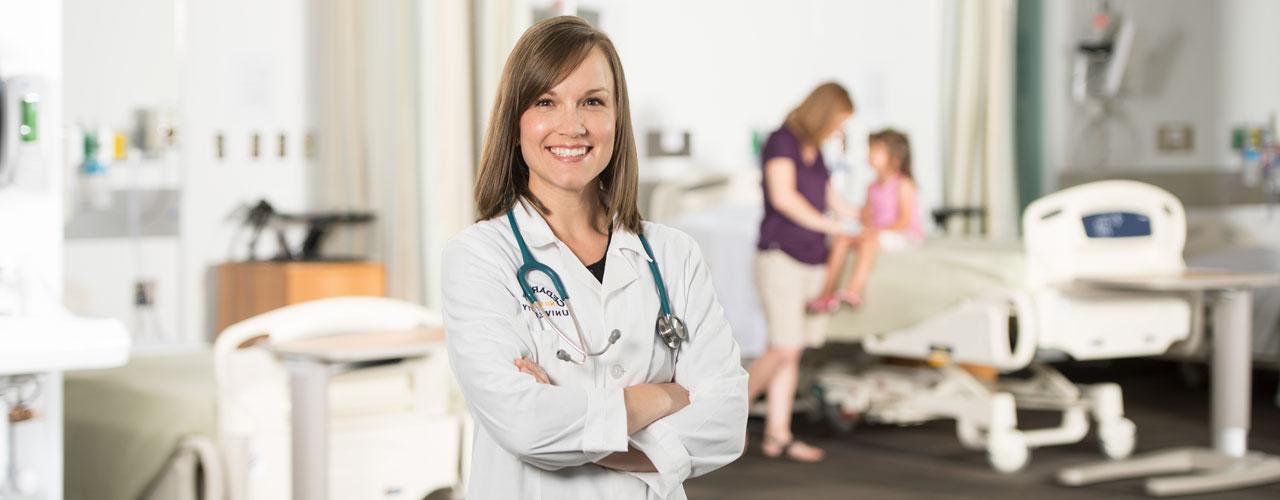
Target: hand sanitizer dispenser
[(21, 137)]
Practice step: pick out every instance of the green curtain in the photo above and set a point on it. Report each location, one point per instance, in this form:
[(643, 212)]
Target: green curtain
[(1029, 101)]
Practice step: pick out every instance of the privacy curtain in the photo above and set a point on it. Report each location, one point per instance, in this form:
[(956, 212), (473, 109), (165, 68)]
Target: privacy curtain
[(981, 170), (369, 157), (447, 133)]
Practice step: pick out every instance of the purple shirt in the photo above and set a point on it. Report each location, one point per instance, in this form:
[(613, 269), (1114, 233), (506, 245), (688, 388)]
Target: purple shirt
[(776, 230)]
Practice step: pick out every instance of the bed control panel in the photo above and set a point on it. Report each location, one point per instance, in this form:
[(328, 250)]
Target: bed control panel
[(1116, 225)]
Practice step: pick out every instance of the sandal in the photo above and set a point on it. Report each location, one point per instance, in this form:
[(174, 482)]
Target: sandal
[(823, 305), (788, 448), (854, 300)]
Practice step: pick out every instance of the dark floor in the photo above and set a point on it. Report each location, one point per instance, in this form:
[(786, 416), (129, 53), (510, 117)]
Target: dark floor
[(887, 462)]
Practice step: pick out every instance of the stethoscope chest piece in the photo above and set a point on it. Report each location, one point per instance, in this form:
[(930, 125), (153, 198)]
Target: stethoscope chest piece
[(671, 329)]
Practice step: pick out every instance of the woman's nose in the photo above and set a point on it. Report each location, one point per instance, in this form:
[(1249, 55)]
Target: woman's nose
[(571, 123)]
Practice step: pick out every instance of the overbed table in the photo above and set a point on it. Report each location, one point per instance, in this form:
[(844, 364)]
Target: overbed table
[(310, 363), (1228, 464)]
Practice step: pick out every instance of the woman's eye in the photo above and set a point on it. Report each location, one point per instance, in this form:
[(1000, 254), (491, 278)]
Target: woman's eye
[(595, 101), (544, 102)]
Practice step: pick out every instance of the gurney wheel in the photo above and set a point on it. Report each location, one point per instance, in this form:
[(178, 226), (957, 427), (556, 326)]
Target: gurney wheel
[(970, 435), (1117, 439), (841, 421), (1007, 452)]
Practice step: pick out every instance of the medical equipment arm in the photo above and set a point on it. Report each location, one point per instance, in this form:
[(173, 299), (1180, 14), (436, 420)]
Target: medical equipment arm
[(711, 432), (547, 426), (780, 187)]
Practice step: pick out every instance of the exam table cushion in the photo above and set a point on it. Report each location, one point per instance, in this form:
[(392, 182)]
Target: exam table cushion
[(123, 423)]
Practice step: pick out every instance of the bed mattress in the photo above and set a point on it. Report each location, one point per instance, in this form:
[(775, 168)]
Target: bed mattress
[(122, 424), (909, 286), (905, 288)]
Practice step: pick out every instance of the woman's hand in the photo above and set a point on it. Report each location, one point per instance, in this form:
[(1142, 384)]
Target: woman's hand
[(649, 402), (834, 227), (677, 396), (527, 366)]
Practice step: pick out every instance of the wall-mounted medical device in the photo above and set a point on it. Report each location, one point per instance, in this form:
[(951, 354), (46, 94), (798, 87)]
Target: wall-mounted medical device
[(21, 107), (1101, 56)]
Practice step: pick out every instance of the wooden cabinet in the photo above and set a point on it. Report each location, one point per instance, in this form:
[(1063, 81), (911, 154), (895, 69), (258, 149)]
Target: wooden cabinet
[(246, 289)]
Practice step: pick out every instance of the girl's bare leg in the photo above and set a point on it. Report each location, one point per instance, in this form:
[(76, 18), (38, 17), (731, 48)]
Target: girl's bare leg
[(835, 263), (868, 248)]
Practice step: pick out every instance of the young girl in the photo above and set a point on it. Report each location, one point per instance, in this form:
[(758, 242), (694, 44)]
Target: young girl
[(889, 221)]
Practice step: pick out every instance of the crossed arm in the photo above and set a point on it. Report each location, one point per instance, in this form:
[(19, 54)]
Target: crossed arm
[(645, 403)]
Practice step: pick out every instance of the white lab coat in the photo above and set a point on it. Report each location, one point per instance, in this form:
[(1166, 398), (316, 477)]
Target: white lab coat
[(537, 441)]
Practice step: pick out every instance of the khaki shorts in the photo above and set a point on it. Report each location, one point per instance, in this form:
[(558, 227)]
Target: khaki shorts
[(785, 286)]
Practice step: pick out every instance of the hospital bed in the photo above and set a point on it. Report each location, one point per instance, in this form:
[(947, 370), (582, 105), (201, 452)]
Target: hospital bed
[(213, 423), (997, 305)]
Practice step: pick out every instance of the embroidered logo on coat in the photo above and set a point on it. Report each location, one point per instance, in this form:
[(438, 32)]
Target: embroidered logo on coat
[(553, 304)]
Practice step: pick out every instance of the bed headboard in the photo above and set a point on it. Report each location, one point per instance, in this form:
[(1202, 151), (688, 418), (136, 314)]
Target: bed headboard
[(1105, 228)]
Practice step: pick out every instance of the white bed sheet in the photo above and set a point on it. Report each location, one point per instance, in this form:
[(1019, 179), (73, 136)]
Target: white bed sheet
[(905, 288)]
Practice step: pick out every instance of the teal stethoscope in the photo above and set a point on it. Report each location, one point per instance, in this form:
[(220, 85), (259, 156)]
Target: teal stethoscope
[(670, 328)]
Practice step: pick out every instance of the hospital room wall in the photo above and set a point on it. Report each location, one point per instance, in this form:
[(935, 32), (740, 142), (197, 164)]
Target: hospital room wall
[(235, 68), (1209, 65), (722, 69), (31, 45)]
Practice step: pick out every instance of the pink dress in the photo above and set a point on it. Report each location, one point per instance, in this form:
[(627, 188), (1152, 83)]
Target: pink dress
[(884, 204)]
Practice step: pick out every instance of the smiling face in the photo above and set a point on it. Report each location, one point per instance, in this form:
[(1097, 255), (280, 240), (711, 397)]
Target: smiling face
[(879, 158), (567, 135)]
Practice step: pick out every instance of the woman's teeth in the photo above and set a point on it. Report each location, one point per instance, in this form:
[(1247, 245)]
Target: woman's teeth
[(569, 152)]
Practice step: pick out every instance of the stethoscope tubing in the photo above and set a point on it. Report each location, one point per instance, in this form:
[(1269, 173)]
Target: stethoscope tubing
[(531, 264)]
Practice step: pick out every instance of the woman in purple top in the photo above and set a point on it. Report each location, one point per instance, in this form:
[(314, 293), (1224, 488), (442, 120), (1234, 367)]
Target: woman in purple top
[(790, 264)]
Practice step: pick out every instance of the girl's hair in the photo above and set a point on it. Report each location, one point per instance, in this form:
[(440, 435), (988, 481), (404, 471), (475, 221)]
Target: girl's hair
[(812, 117), (898, 146), (543, 57)]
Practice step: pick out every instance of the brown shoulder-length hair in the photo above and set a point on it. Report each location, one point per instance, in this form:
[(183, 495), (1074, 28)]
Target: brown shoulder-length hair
[(812, 117), (898, 146), (543, 57)]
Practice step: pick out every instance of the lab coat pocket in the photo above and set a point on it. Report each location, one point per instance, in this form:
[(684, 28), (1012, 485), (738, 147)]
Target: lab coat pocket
[(545, 343)]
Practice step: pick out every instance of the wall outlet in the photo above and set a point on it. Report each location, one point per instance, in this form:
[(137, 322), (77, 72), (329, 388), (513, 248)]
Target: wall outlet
[(1175, 137), (144, 293)]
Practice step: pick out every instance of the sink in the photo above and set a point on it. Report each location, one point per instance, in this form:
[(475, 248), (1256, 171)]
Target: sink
[(60, 343)]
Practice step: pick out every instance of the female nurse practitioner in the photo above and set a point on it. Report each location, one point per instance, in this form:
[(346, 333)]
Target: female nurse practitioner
[(590, 346)]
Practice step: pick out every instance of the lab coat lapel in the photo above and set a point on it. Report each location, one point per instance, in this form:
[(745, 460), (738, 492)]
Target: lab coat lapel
[(534, 228), (625, 254)]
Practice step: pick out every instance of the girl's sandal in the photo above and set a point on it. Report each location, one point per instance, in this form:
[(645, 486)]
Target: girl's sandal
[(823, 305), (852, 299)]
